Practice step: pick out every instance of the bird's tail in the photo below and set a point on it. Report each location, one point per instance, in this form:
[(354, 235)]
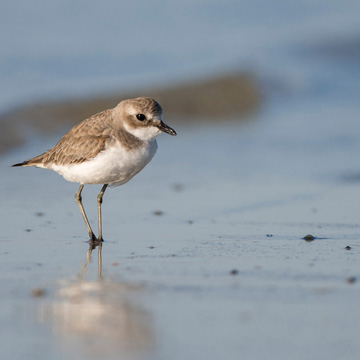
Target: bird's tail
[(35, 161), (24, 163)]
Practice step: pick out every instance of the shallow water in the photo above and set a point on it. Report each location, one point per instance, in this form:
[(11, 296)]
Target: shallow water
[(204, 255)]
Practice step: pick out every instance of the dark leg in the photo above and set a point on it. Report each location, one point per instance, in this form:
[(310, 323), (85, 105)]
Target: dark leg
[(78, 199), (99, 202)]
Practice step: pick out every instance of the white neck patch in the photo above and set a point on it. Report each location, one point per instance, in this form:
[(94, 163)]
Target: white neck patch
[(143, 133)]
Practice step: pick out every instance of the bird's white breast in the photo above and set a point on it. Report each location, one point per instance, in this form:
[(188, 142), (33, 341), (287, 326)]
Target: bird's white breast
[(115, 165)]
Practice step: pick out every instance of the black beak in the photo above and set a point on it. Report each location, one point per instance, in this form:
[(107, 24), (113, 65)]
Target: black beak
[(163, 127)]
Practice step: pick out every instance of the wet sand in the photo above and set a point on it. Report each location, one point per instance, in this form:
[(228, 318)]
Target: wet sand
[(204, 253), (241, 239)]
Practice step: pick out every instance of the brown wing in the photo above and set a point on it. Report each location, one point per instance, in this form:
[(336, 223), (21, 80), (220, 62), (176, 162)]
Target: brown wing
[(81, 143)]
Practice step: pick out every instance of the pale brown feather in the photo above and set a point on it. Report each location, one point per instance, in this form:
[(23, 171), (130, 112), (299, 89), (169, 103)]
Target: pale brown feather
[(83, 142), (86, 139)]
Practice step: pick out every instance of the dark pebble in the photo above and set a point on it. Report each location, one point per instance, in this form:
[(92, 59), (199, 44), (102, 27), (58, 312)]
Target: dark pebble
[(309, 237), (351, 279), (234, 272), (348, 248), (158, 213)]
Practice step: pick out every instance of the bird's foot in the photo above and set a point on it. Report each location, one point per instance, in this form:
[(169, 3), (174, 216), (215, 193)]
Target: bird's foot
[(94, 242)]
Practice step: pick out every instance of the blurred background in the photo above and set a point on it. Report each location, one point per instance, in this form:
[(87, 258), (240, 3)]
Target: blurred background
[(204, 254), (305, 51)]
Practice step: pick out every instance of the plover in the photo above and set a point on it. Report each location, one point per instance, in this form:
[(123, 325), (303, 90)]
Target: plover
[(107, 148)]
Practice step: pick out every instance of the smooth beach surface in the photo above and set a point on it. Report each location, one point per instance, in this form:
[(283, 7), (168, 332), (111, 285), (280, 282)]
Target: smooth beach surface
[(204, 253)]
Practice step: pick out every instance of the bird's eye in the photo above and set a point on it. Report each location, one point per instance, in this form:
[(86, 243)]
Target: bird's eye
[(141, 117)]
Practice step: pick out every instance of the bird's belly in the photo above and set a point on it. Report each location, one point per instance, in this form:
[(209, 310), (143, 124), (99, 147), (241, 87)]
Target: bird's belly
[(115, 165)]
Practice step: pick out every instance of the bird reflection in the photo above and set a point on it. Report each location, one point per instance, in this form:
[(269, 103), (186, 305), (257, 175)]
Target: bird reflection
[(100, 318), (93, 244)]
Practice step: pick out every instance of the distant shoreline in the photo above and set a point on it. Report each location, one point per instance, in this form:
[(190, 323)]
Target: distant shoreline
[(228, 96)]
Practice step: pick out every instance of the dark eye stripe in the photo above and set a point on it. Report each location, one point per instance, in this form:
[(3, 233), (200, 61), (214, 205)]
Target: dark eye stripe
[(141, 117)]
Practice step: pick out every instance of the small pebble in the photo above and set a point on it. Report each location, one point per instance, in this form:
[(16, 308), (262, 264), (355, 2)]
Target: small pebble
[(269, 235), (234, 272), (158, 213), (39, 214), (309, 237), (151, 247), (348, 248), (351, 279), (38, 292), (178, 187)]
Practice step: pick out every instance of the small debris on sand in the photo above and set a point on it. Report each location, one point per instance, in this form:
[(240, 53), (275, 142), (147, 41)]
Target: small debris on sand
[(309, 237), (38, 292), (178, 187)]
